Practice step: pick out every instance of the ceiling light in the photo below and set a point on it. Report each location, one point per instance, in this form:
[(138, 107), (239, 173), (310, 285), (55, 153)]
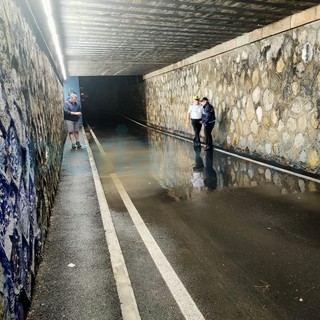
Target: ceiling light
[(52, 27)]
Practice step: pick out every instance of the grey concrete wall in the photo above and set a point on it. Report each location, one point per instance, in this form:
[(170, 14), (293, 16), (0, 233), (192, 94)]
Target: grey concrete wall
[(266, 94), (31, 140)]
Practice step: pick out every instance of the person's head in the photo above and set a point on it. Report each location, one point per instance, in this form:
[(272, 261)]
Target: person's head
[(196, 99), (204, 101), (73, 97)]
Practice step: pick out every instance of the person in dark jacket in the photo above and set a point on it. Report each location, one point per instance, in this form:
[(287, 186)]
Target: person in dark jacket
[(72, 115), (208, 121)]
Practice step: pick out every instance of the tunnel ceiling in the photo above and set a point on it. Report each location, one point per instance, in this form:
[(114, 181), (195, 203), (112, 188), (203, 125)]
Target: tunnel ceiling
[(123, 37)]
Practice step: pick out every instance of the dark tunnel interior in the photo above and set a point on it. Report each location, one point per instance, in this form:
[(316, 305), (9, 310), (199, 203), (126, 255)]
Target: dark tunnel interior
[(103, 98)]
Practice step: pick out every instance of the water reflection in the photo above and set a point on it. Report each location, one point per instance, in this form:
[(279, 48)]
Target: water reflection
[(198, 170), (203, 176), (210, 179), (181, 168)]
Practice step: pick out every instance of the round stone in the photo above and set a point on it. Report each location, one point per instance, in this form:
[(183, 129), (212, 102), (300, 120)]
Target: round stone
[(254, 127), (303, 156), (259, 114), (302, 123), (268, 148), (313, 159), (296, 106), (268, 99), (256, 77), (299, 140), (280, 65), (292, 124), (256, 95)]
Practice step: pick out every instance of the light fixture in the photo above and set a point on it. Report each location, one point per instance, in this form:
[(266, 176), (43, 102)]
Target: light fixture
[(48, 11)]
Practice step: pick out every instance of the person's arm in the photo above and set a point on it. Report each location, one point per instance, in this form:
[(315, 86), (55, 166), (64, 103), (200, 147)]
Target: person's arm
[(188, 118), (188, 115), (205, 115), (67, 111)]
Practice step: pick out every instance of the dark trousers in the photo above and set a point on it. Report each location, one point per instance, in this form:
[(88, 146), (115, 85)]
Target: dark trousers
[(207, 134), (196, 128)]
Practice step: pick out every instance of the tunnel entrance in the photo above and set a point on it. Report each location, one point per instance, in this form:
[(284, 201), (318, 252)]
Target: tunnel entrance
[(104, 96)]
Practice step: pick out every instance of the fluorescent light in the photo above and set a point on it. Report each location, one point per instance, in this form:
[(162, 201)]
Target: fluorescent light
[(55, 38)]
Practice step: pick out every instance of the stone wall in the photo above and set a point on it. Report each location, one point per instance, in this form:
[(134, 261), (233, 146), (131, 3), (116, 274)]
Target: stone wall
[(266, 95), (31, 143)]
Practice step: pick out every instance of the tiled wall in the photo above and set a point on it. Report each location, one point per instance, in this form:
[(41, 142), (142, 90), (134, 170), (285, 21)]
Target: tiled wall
[(31, 140)]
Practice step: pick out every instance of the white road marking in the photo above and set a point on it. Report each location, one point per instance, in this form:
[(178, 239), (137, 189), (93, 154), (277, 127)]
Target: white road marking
[(128, 304), (179, 292), (270, 166), (96, 141)]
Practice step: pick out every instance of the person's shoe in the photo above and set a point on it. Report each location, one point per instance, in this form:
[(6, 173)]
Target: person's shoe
[(78, 144), (73, 146)]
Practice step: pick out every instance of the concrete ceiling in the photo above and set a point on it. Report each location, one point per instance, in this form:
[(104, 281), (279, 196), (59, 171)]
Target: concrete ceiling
[(136, 37)]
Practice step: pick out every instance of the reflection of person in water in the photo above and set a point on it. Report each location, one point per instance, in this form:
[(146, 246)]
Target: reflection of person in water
[(210, 176), (197, 171), (204, 175)]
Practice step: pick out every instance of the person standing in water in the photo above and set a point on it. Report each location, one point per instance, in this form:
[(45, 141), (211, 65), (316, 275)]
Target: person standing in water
[(195, 114)]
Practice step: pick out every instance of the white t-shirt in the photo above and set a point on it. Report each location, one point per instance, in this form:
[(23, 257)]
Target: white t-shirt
[(195, 111)]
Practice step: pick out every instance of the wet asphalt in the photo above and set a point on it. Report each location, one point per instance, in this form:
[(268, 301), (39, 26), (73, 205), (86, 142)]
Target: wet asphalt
[(75, 279), (243, 238)]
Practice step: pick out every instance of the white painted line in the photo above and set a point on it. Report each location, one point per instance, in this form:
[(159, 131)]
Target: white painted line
[(128, 304), (97, 141), (270, 166), (179, 292), (232, 154), (154, 129)]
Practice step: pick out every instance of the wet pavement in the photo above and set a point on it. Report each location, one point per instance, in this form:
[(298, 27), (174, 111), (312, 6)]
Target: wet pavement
[(242, 238), (75, 279)]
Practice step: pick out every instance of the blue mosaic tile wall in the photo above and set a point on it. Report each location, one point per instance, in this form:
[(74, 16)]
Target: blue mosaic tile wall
[(32, 134)]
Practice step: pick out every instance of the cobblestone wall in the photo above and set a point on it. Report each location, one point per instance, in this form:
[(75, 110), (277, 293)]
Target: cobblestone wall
[(266, 95), (31, 140)]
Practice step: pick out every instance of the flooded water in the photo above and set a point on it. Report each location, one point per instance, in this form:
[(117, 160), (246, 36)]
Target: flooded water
[(243, 238)]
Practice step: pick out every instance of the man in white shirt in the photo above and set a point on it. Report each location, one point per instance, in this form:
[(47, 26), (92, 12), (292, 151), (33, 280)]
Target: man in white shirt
[(195, 114)]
